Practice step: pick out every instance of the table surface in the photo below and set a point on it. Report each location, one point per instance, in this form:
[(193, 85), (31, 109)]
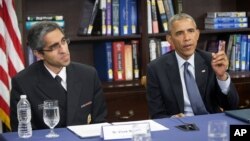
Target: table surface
[(173, 134)]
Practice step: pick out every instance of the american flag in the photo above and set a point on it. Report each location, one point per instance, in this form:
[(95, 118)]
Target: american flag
[(11, 55)]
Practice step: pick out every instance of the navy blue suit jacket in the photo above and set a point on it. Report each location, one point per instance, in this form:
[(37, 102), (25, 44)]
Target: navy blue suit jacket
[(164, 88)]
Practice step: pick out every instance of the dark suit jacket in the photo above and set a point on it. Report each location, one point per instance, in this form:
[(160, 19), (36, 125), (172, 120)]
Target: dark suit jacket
[(84, 100), (164, 88)]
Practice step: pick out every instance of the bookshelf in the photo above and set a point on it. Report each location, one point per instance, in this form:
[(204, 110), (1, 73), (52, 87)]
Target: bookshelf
[(126, 99)]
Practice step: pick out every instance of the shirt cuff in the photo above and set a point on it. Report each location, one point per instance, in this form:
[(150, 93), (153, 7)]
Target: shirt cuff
[(224, 85)]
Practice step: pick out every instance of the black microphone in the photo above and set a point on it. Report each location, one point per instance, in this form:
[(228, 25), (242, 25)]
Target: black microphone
[(187, 126)]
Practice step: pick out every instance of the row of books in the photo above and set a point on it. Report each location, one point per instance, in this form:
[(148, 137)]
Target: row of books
[(237, 50), (226, 20), (158, 48), (118, 17), (165, 10), (117, 61)]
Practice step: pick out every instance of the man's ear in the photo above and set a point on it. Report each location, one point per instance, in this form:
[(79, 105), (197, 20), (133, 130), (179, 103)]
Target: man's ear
[(39, 55), (169, 39)]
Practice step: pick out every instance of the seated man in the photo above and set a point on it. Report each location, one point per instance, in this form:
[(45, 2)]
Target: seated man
[(188, 81), (80, 96)]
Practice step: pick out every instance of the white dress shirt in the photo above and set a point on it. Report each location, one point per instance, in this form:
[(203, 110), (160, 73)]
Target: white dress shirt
[(224, 85), (62, 74)]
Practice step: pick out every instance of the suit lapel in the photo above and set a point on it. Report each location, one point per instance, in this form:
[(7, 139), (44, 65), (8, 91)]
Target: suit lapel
[(172, 66), (74, 90), (46, 83), (201, 73)]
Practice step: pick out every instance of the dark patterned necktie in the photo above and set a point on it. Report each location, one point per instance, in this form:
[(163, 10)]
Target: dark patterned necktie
[(193, 92)]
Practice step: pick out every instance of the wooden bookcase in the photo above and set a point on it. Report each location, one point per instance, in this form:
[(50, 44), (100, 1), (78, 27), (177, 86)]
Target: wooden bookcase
[(126, 100)]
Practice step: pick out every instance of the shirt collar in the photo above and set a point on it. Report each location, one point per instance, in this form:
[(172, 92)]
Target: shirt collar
[(181, 61), (62, 73)]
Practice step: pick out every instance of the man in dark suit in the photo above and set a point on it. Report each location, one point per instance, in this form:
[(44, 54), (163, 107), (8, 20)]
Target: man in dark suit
[(79, 92), (167, 93)]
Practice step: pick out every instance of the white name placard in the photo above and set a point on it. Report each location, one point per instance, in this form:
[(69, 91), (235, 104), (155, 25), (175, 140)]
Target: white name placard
[(111, 132)]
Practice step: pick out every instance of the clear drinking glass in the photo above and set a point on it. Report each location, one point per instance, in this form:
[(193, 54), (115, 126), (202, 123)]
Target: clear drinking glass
[(141, 132), (218, 130), (51, 116)]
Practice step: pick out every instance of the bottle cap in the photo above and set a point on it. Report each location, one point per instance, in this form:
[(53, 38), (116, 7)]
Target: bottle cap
[(23, 96)]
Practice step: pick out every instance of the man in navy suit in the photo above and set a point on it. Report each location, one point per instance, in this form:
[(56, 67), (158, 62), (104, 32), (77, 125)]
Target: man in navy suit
[(80, 95), (166, 89)]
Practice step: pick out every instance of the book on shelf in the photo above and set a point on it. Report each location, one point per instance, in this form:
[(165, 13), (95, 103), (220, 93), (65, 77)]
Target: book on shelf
[(118, 60), (128, 62), (248, 53), (133, 17), (108, 17), (243, 53), (125, 20), (165, 47), (115, 17), (29, 24), (169, 9), (226, 14), (163, 15), (237, 52), (45, 18), (149, 17), (226, 25), (103, 60), (87, 12), (232, 63), (226, 20), (135, 54), (152, 49), (93, 17), (103, 8), (155, 24)]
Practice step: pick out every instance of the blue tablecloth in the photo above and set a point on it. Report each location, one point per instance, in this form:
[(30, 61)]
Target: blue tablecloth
[(173, 134)]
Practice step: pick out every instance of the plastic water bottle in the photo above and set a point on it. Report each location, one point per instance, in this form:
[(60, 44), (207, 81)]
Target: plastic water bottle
[(24, 117)]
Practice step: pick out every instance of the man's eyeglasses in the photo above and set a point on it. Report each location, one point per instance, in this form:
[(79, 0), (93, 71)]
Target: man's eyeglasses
[(56, 46)]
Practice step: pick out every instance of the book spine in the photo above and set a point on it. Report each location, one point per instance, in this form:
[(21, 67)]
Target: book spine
[(163, 16), (128, 62), (237, 52), (165, 47), (152, 49), (226, 20), (115, 17), (109, 18), (103, 60), (45, 18), (155, 25), (87, 8), (149, 17), (135, 46), (134, 15), (92, 18), (226, 25), (29, 24), (243, 52), (248, 53), (103, 8), (168, 6), (226, 14), (124, 17), (118, 60)]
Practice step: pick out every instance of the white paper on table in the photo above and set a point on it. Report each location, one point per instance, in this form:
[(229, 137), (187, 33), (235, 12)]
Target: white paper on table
[(87, 131), (154, 126)]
